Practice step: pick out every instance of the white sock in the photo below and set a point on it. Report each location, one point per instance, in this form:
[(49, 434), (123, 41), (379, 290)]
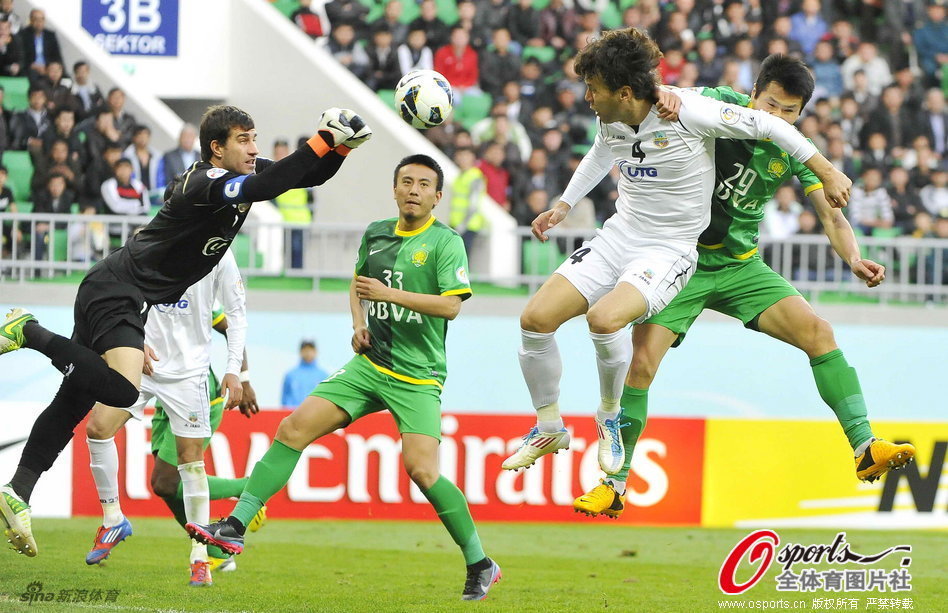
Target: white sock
[(548, 418), (197, 503), (613, 356), (542, 367), (103, 460), (862, 448), (618, 486)]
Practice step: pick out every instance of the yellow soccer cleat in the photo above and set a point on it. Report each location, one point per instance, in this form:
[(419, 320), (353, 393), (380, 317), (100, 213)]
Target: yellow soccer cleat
[(16, 522), (11, 330), (258, 520), (882, 456), (224, 565), (601, 500)]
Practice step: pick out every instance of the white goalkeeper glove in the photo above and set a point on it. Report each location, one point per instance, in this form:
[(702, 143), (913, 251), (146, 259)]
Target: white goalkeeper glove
[(334, 127), (361, 131)]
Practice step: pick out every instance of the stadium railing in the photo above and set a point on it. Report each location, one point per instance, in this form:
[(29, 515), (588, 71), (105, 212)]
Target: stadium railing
[(916, 269)]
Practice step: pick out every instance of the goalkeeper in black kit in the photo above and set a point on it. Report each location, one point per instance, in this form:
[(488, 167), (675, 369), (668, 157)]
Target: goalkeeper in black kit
[(203, 211)]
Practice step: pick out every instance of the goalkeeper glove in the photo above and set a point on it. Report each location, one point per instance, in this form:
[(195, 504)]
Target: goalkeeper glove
[(333, 129), (361, 132)]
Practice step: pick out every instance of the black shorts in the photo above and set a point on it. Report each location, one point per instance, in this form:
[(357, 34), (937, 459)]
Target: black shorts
[(109, 312)]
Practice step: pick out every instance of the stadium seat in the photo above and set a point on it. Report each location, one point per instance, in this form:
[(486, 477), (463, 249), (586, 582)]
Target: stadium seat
[(241, 249), (285, 6), (410, 11), (544, 55), (60, 245), (20, 170), (388, 97), (887, 232), (542, 4), (611, 18), (472, 109), (447, 11), (15, 93), (540, 258)]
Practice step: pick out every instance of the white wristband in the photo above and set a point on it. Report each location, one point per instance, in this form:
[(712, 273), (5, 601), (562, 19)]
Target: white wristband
[(244, 376)]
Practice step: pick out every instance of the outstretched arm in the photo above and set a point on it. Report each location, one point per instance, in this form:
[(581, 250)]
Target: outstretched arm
[(843, 240)]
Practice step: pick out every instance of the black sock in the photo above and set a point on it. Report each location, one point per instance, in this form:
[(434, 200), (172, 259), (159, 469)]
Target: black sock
[(36, 336), (479, 566), (23, 482), (85, 368), (236, 525)]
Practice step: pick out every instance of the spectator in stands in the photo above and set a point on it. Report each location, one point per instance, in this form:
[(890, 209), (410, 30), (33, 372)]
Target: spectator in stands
[(535, 202), (912, 90), (671, 64), (534, 89), (56, 161), (314, 24), (536, 176), (458, 62), (30, 124), (920, 154), (467, 196), (7, 14), (865, 99), (923, 225), (497, 177), (39, 45), (349, 12), (558, 25), (467, 18), (782, 214), (87, 93), (10, 231), (516, 111), (494, 15), (11, 57), (295, 207), (343, 46), (743, 54), (931, 43), (498, 127), (98, 132), (826, 71), (731, 25), (123, 195), (710, 64), (808, 26), (935, 196), (840, 154), (844, 40), (876, 153), (125, 122), (870, 206), (58, 87), (934, 121), (541, 120), (524, 24), (391, 18), (54, 198), (383, 70), (875, 68), (676, 33), (144, 159), (436, 31), (96, 173), (851, 120), (938, 258), (179, 159), (730, 77), (905, 200), (499, 65), (805, 259), (87, 240), (891, 119), (415, 54), (570, 116), (300, 381)]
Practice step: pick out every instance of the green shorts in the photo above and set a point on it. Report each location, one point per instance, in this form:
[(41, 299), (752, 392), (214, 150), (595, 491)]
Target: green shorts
[(162, 439), (742, 291), (359, 389)]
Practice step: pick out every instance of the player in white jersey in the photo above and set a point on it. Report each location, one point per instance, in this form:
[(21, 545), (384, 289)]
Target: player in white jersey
[(177, 345), (645, 253)]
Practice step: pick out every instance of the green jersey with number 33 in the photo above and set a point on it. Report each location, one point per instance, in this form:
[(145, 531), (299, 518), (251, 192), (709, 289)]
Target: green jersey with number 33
[(431, 260), (747, 174)]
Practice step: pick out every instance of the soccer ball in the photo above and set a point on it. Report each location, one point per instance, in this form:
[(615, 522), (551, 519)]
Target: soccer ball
[(424, 99)]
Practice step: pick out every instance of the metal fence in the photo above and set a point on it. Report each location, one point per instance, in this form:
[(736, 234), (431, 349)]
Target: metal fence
[(48, 245)]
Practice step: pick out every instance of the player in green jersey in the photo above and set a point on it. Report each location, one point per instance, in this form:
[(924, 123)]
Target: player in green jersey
[(412, 273), (165, 479), (731, 278)]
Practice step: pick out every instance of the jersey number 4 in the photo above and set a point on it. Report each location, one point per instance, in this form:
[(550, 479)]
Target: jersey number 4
[(637, 151), (579, 254)]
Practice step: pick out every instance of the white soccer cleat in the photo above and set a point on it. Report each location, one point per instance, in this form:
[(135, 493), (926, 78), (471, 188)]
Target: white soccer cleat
[(535, 445), (611, 449), (15, 514)]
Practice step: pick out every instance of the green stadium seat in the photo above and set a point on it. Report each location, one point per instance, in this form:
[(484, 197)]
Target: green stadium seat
[(388, 97), (447, 11), (241, 249), (540, 4), (887, 232), (24, 207), (611, 18), (544, 55), (285, 6), (541, 258), (20, 171), (472, 109), (15, 93), (410, 11), (60, 240)]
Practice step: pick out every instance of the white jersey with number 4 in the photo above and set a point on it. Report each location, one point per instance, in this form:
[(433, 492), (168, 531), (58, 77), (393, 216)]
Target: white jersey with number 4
[(666, 169), (180, 332)]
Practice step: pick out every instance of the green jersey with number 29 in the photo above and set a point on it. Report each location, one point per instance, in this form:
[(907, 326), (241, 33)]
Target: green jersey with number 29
[(747, 174), (431, 260)]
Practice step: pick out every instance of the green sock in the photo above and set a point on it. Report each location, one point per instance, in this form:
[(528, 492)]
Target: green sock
[(177, 508), (269, 476), (634, 403), (839, 388), (454, 513), (219, 488)]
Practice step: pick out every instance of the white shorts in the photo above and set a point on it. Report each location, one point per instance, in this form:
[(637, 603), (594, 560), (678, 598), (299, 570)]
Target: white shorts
[(658, 269), (185, 401)]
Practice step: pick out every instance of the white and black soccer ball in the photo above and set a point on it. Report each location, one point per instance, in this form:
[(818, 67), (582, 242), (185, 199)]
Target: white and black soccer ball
[(424, 98)]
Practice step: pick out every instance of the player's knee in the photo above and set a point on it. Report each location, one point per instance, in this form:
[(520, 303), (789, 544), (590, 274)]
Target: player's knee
[(820, 338), (290, 433), (423, 476), (164, 486), (642, 371), (532, 320), (601, 321), (99, 430)]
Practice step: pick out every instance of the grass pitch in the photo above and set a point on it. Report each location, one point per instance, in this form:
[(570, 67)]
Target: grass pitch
[(413, 566)]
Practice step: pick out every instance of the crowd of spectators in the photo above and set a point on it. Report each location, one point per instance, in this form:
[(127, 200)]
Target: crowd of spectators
[(878, 111)]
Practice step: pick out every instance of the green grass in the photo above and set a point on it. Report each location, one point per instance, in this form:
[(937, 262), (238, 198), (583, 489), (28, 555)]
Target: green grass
[(413, 566)]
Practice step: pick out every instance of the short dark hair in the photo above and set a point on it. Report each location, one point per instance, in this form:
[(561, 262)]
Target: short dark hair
[(36, 88), (626, 57), (217, 123), (79, 65), (121, 161), (140, 128), (421, 160), (788, 72)]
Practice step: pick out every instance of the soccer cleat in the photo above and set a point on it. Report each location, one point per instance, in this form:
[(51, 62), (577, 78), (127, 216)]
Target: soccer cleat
[(258, 520), (882, 456), (200, 574), (611, 449), (16, 518), (11, 330), (479, 580), (535, 445), (106, 539), (601, 500), (219, 533), (224, 565)]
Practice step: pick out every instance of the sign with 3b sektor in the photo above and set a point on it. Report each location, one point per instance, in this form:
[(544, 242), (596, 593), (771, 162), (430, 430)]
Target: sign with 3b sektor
[(133, 27)]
